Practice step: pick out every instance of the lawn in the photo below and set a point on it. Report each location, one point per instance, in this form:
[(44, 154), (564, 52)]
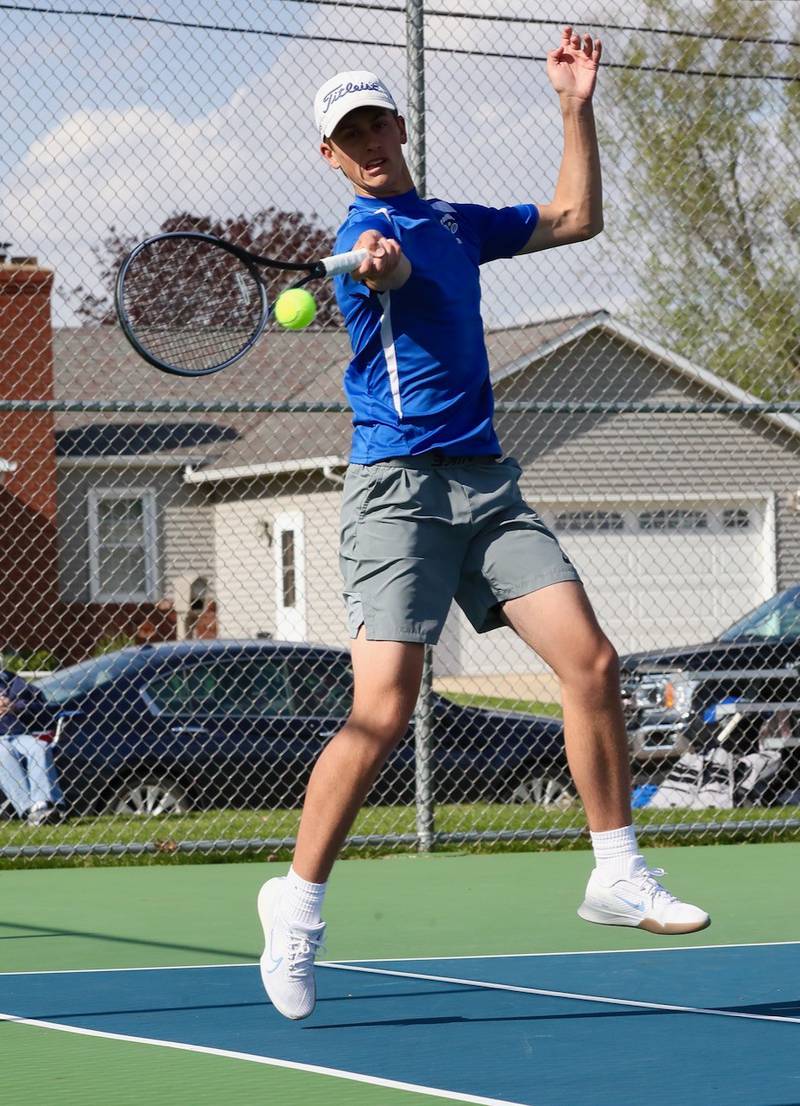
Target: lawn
[(525, 706), (258, 834)]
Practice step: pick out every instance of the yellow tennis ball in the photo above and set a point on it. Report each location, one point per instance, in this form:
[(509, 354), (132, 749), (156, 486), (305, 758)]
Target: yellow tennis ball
[(295, 308)]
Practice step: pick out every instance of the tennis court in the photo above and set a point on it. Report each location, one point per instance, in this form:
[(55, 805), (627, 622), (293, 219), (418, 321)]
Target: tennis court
[(446, 978)]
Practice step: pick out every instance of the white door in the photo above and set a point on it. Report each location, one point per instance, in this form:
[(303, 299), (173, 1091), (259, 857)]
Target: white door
[(290, 584)]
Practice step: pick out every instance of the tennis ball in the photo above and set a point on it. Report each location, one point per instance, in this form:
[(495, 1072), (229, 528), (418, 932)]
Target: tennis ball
[(295, 308)]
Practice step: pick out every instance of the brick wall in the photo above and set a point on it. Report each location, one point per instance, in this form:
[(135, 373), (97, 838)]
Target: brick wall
[(28, 561)]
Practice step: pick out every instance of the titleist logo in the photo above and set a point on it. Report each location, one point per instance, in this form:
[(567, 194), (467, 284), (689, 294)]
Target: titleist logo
[(335, 94)]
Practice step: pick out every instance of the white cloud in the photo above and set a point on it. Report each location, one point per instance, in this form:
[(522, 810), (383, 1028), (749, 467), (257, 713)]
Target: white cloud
[(493, 136)]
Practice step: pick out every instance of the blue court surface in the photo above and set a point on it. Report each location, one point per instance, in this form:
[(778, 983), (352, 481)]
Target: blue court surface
[(714, 1025)]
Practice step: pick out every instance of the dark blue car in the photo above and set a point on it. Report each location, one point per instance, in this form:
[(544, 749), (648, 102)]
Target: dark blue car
[(202, 724)]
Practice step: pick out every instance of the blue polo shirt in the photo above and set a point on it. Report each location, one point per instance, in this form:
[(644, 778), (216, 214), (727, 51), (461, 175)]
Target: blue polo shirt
[(419, 376)]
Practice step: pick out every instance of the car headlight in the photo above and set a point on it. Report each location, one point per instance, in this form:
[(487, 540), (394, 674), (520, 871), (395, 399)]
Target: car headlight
[(649, 693), (672, 693), (678, 693)]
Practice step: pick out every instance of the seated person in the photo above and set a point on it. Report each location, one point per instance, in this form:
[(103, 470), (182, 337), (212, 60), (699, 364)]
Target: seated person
[(28, 774)]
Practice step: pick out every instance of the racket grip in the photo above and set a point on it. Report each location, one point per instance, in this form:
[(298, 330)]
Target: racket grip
[(343, 262)]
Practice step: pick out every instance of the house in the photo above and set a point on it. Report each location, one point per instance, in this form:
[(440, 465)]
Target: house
[(224, 520), (678, 522)]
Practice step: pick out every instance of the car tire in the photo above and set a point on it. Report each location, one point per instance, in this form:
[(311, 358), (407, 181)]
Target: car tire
[(146, 796)]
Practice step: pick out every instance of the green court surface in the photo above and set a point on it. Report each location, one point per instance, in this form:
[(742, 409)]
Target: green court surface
[(399, 907)]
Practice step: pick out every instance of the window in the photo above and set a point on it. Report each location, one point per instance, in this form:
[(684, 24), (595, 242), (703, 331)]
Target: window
[(574, 521), (249, 686), (81, 679), (122, 545), (288, 568), (673, 518), (736, 518), (324, 687)]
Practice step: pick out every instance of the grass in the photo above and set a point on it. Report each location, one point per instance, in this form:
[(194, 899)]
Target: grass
[(526, 706), (239, 828)]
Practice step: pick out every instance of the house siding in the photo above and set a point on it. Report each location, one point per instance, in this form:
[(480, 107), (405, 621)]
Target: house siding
[(639, 455), (245, 559), (184, 525), (660, 458)]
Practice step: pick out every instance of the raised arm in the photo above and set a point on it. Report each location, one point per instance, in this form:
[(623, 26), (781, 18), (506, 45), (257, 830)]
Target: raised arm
[(576, 210)]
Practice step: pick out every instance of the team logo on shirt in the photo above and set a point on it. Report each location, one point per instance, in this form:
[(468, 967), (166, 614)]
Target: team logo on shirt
[(447, 217)]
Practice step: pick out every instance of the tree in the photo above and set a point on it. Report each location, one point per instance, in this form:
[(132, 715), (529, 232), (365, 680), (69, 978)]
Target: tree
[(708, 166), (270, 233)]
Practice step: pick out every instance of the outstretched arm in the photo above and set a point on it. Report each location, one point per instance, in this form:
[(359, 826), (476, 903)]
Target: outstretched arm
[(576, 210)]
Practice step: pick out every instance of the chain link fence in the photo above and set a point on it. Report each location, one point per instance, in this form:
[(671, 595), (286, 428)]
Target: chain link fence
[(170, 580)]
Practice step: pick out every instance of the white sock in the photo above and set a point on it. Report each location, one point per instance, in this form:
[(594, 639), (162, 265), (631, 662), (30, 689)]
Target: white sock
[(301, 900), (614, 850)]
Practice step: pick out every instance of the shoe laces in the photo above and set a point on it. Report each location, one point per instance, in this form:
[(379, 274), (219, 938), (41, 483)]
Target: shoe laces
[(303, 947), (647, 879)]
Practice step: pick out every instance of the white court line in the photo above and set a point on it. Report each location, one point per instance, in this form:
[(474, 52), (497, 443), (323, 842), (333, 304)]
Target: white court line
[(639, 1005), (573, 952), (154, 968), (410, 959), (271, 1061)]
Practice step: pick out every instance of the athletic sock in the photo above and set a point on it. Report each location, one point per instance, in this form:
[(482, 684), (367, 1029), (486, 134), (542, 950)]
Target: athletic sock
[(301, 900), (614, 850)]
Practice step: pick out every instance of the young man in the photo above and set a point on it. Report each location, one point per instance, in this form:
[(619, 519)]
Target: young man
[(431, 512)]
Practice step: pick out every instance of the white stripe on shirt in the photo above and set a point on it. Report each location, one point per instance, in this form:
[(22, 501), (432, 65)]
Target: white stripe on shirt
[(389, 351)]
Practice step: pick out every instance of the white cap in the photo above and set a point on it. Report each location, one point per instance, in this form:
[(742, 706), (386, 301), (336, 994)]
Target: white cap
[(357, 88)]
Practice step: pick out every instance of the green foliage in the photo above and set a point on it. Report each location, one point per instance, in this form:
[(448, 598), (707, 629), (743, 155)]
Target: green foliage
[(41, 660), (708, 166)]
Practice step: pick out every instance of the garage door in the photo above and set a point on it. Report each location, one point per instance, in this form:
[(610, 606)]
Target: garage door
[(659, 574), (669, 573)]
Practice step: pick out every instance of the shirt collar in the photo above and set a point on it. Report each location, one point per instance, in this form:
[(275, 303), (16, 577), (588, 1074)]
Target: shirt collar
[(404, 201)]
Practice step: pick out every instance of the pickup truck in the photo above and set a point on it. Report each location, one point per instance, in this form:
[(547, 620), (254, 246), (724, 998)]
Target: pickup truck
[(670, 695)]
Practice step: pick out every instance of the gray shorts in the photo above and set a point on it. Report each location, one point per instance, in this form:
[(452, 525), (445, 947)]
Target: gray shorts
[(418, 532)]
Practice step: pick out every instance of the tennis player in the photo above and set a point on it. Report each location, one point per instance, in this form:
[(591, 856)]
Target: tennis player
[(432, 510)]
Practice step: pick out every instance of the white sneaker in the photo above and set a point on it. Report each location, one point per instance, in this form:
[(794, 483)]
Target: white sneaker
[(287, 963), (638, 899)]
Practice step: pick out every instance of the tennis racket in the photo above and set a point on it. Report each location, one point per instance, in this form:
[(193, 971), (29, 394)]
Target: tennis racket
[(192, 304)]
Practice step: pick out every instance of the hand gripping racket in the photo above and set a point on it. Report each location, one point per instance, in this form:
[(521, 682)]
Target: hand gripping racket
[(192, 304)]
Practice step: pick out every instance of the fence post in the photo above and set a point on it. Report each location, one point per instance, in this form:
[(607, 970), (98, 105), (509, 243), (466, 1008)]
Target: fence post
[(415, 77), (423, 715), (423, 750)]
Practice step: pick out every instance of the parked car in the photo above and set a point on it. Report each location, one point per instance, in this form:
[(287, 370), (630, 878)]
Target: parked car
[(200, 724), (671, 695)]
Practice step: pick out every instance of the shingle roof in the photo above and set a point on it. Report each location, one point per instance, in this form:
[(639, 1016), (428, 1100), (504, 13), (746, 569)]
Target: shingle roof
[(96, 363)]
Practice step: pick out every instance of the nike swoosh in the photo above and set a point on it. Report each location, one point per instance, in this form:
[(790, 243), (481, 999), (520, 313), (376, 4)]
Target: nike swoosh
[(629, 902), (276, 963)]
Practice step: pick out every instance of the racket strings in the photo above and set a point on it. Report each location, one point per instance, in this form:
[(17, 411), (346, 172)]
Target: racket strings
[(191, 304)]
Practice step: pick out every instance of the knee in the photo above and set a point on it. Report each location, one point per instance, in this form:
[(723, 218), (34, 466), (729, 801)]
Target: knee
[(597, 670), (384, 725)]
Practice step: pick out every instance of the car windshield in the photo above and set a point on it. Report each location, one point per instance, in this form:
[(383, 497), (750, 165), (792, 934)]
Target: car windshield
[(777, 619), (81, 678)]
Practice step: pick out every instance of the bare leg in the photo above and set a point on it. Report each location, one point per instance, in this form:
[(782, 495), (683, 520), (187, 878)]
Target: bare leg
[(559, 624), (387, 677)]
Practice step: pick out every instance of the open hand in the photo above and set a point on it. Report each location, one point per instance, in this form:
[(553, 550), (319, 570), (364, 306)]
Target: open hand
[(572, 66)]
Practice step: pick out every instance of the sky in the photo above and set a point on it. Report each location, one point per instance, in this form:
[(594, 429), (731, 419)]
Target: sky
[(115, 123)]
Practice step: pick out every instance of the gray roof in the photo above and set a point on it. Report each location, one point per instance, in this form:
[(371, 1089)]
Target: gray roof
[(96, 363)]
